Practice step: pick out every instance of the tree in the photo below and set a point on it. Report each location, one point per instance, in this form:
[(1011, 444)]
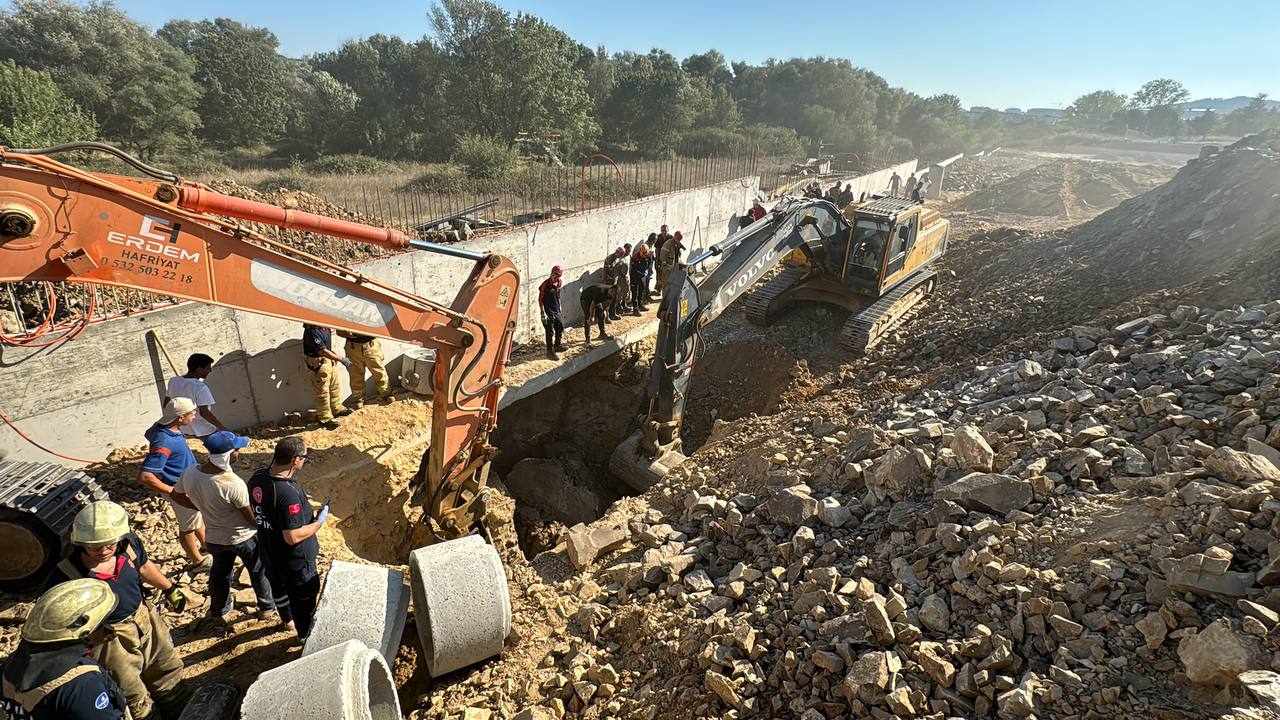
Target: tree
[(1095, 111), (710, 66), (138, 87), (1159, 93), (34, 113), (322, 113), (244, 100), (1164, 121), (1254, 117), (508, 74), (1204, 123), (652, 103)]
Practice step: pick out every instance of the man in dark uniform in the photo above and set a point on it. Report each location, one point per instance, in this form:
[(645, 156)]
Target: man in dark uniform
[(549, 309), (663, 237), (318, 354), (136, 650), (287, 529), (617, 273), (595, 301), (641, 265), (51, 676)]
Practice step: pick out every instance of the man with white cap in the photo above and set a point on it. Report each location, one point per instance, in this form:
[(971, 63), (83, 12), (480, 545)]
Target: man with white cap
[(222, 498), (168, 455)]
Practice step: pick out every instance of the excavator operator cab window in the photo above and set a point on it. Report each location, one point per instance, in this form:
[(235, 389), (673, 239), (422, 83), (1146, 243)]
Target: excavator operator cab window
[(867, 248), (904, 236)]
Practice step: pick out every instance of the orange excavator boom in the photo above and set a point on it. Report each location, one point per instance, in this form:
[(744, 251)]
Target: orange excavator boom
[(171, 237)]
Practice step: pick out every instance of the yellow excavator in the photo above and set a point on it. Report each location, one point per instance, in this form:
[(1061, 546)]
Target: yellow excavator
[(874, 259)]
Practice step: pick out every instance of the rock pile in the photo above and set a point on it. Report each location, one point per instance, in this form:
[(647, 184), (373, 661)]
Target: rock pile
[(1088, 530), (1071, 189)]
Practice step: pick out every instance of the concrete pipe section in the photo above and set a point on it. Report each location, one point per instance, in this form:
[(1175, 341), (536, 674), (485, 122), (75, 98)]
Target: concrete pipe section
[(368, 603), (461, 604), (343, 682)]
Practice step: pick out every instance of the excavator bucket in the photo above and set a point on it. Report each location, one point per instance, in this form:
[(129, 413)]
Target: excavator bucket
[(633, 465)]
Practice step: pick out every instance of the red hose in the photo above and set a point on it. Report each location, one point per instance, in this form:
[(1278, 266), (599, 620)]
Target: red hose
[(26, 437)]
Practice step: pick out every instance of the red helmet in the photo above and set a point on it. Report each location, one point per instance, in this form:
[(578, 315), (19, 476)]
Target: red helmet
[(557, 271)]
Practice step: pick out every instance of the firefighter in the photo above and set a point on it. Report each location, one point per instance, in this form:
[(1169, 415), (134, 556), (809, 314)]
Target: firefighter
[(595, 301), (549, 310), (617, 274), (641, 263), (320, 359), (668, 258), (365, 354), (51, 675), (137, 650)]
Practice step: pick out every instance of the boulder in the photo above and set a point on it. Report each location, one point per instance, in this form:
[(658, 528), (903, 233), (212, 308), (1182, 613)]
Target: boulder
[(893, 474), (874, 669), (934, 613), (1241, 467), (971, 449), (987, 492), (791, 506), (1218, 654), (586, 543)]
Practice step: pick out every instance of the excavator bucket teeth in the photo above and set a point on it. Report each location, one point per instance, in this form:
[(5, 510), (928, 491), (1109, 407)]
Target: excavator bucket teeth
[(634, 467)]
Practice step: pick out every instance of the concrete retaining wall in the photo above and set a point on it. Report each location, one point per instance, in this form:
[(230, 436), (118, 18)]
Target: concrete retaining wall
[(100, 392)]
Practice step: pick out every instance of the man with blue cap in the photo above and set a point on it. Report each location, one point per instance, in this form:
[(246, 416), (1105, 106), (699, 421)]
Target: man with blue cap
[(222, 497)]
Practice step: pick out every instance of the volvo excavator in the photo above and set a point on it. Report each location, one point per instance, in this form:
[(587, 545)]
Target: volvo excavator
[(873, 259), (170, 236)]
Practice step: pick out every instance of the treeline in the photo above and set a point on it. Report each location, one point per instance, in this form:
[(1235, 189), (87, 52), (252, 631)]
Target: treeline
[(1154, 109), (481, 83)]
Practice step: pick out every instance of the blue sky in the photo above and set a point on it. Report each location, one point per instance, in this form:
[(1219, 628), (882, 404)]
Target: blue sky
[(1000, 53)]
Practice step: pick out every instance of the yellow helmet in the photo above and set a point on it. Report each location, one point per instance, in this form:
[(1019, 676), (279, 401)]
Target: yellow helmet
[(69, 611), (100, 523)]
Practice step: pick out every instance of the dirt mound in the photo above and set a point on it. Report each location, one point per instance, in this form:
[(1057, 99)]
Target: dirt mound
[(332, 249), (1070, 189)]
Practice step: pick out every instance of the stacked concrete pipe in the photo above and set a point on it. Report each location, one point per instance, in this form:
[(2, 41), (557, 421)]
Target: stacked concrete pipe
[(342, 682), (461, 604)]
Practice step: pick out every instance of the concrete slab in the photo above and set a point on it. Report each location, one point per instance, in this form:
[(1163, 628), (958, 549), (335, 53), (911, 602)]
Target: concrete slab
[(368, 603), (576, 364), (343, 682), (461, 604)]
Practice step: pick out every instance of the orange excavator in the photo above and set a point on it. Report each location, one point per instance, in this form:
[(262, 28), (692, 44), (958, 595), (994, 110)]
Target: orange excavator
[(171, 236)]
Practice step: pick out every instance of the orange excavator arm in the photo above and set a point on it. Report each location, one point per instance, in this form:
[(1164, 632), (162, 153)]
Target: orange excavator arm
[(60, 223)]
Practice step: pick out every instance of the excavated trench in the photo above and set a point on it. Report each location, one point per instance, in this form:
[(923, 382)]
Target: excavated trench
[(555, 446)]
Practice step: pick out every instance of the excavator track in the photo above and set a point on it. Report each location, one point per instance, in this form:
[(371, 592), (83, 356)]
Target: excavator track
[(37, 504), (869, 326), (760, 303)]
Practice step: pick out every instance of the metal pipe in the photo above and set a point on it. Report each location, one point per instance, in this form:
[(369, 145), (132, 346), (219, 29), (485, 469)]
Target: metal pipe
[(447, 250)]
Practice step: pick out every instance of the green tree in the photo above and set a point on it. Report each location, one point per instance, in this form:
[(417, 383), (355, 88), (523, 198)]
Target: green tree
[(1164, 121), (1254, 117), (245, 100), (1159, 93), (1204, 123), (508, 74), (652, 103), (322, 113), (138, 87), (34, 113), (710, 66), (1095, 111)]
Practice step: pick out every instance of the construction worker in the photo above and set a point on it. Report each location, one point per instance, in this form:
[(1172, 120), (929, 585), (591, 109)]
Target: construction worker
[(846, 196), (617, 273), (910, 189), (549, 309), (136, 651), (661, 239), (223, 501), (757, 211), (167, 457), (321, 361), (364, 353), (192, 386), (668, 258), (287, 533), (50, 676), (895, 184), (641, 264), (652, 243), (595, 301), (922, 190)]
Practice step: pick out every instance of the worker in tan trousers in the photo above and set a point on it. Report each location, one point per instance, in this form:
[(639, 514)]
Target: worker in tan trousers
[(365, 354)]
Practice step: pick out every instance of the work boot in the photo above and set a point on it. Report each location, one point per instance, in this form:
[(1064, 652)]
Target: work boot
[(552, 354), (329, 424), (171, 703), (355, 404), (606, 336), (343, 410), (560, 347)]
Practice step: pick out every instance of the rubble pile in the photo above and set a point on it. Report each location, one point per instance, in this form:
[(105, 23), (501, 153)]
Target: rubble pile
[(1089, 530), (970, 174), (1065, 189)]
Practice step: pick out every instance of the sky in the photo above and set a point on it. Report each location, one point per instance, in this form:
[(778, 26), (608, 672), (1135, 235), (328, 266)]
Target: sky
[(994, 53)]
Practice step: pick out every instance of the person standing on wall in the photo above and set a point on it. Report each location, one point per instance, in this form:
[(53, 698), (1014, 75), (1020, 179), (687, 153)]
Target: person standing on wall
[(895, 184), (51, 675), (168, 455), (668, 258), (922, 190), (595, 301), (321, 361), (287, 530), (641, 265), (549, 309), (617, 274), (138, 650), (365, 353), (661, 239), (652, 243), (192, 386), (222, 498), (910, 189)]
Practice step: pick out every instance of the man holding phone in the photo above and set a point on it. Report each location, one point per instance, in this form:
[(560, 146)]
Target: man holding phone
[(287, 528)]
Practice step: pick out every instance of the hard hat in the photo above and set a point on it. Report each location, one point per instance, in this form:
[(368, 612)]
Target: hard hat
[(176, 408), (69, 611), (557, 270), (100, 523)]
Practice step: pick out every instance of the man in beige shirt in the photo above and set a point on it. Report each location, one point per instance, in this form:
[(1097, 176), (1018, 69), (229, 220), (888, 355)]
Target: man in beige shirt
[(223, 499)]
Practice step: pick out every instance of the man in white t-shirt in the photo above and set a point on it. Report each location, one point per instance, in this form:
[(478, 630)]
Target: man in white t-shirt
[(230, 530), (192, 387)]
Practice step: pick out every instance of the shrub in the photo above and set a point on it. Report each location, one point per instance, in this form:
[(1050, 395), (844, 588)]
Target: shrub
[(349, 164), (711, 142), (485, 158), (291, 180)]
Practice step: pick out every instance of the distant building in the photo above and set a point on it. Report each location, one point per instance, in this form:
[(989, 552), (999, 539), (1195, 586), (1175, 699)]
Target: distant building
[(1050, 114), (1013, 111)]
